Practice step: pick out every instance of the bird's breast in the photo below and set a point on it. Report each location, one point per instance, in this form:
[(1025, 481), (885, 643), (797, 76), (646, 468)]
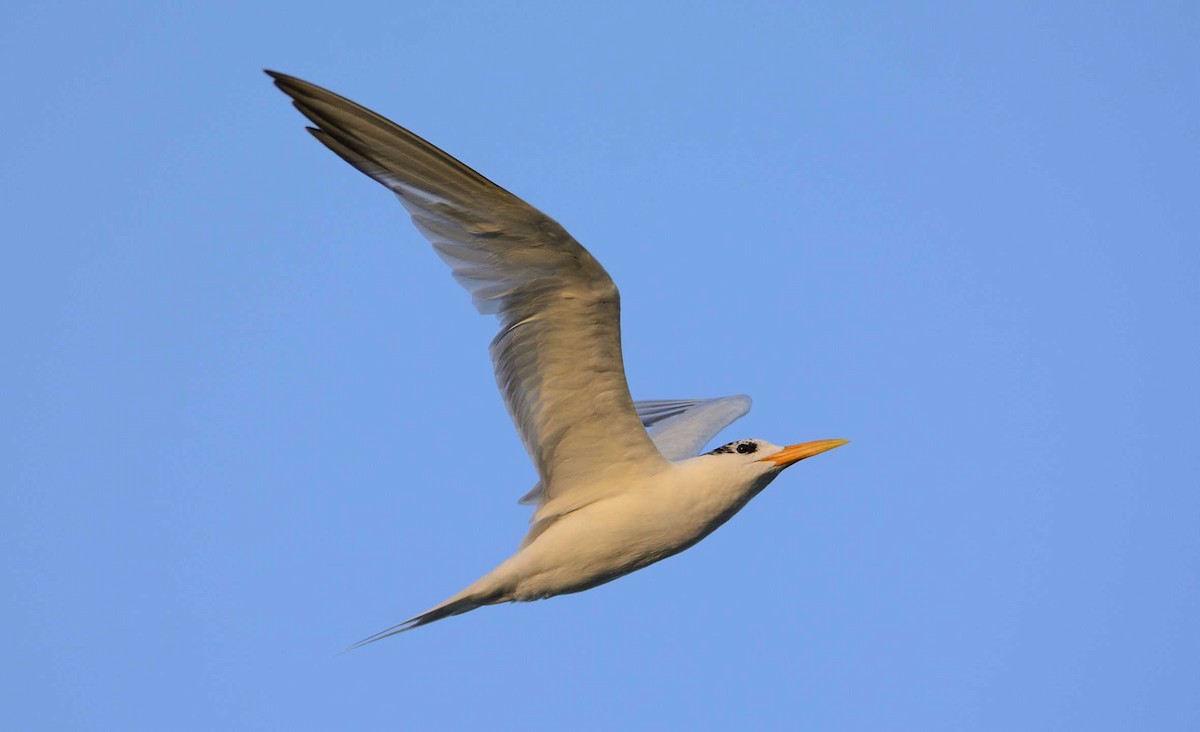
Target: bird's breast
[(623, 533)]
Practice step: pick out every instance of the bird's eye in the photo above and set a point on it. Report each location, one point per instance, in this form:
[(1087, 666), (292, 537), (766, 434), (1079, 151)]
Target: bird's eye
[(746, 448)]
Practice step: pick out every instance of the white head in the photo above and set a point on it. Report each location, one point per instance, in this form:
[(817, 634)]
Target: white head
[(759, 459)]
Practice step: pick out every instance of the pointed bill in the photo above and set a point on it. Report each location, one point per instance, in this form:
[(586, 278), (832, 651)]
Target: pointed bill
[(795, 453)]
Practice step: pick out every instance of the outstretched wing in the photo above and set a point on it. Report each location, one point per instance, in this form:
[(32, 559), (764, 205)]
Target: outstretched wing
[(558, 354), (680, 428)]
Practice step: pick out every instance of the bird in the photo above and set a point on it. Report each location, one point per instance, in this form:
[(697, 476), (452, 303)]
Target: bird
[(622, 484)]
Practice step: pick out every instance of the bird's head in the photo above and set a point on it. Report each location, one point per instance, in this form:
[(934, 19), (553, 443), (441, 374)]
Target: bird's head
[(764, 458)]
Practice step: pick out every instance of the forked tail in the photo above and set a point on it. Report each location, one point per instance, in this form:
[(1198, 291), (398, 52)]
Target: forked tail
[(453, 606)]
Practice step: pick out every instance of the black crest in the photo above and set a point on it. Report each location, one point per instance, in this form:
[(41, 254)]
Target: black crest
[(742, 447)]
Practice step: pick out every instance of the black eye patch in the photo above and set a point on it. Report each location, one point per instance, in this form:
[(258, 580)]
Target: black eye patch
[(746, 448)]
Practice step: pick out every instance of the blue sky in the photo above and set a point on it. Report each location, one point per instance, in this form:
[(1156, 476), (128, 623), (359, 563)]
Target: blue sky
[(250, 419)]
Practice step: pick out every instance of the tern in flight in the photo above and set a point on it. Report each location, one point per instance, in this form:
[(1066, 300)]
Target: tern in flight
[(622, 483)]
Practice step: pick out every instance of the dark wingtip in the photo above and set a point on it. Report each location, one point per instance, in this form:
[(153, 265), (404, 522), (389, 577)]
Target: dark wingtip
[(286, 83)]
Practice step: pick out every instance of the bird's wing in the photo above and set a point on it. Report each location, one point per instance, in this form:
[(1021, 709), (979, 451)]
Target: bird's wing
[(680, 428), (558, 354)]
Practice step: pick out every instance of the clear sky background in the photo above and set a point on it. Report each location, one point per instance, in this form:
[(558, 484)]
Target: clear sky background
[(248, 418)]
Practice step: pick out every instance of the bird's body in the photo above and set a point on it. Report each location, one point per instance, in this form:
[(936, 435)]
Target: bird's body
[(621, 483), (649, 517)]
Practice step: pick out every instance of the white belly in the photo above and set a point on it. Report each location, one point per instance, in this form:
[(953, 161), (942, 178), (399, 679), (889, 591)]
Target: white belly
[(616, 536)]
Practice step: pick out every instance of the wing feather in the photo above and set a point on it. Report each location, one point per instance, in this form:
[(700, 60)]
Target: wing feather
[(680, 428), (557, 356)]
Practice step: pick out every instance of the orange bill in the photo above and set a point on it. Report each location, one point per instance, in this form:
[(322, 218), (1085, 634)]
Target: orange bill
[(795, 453)]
